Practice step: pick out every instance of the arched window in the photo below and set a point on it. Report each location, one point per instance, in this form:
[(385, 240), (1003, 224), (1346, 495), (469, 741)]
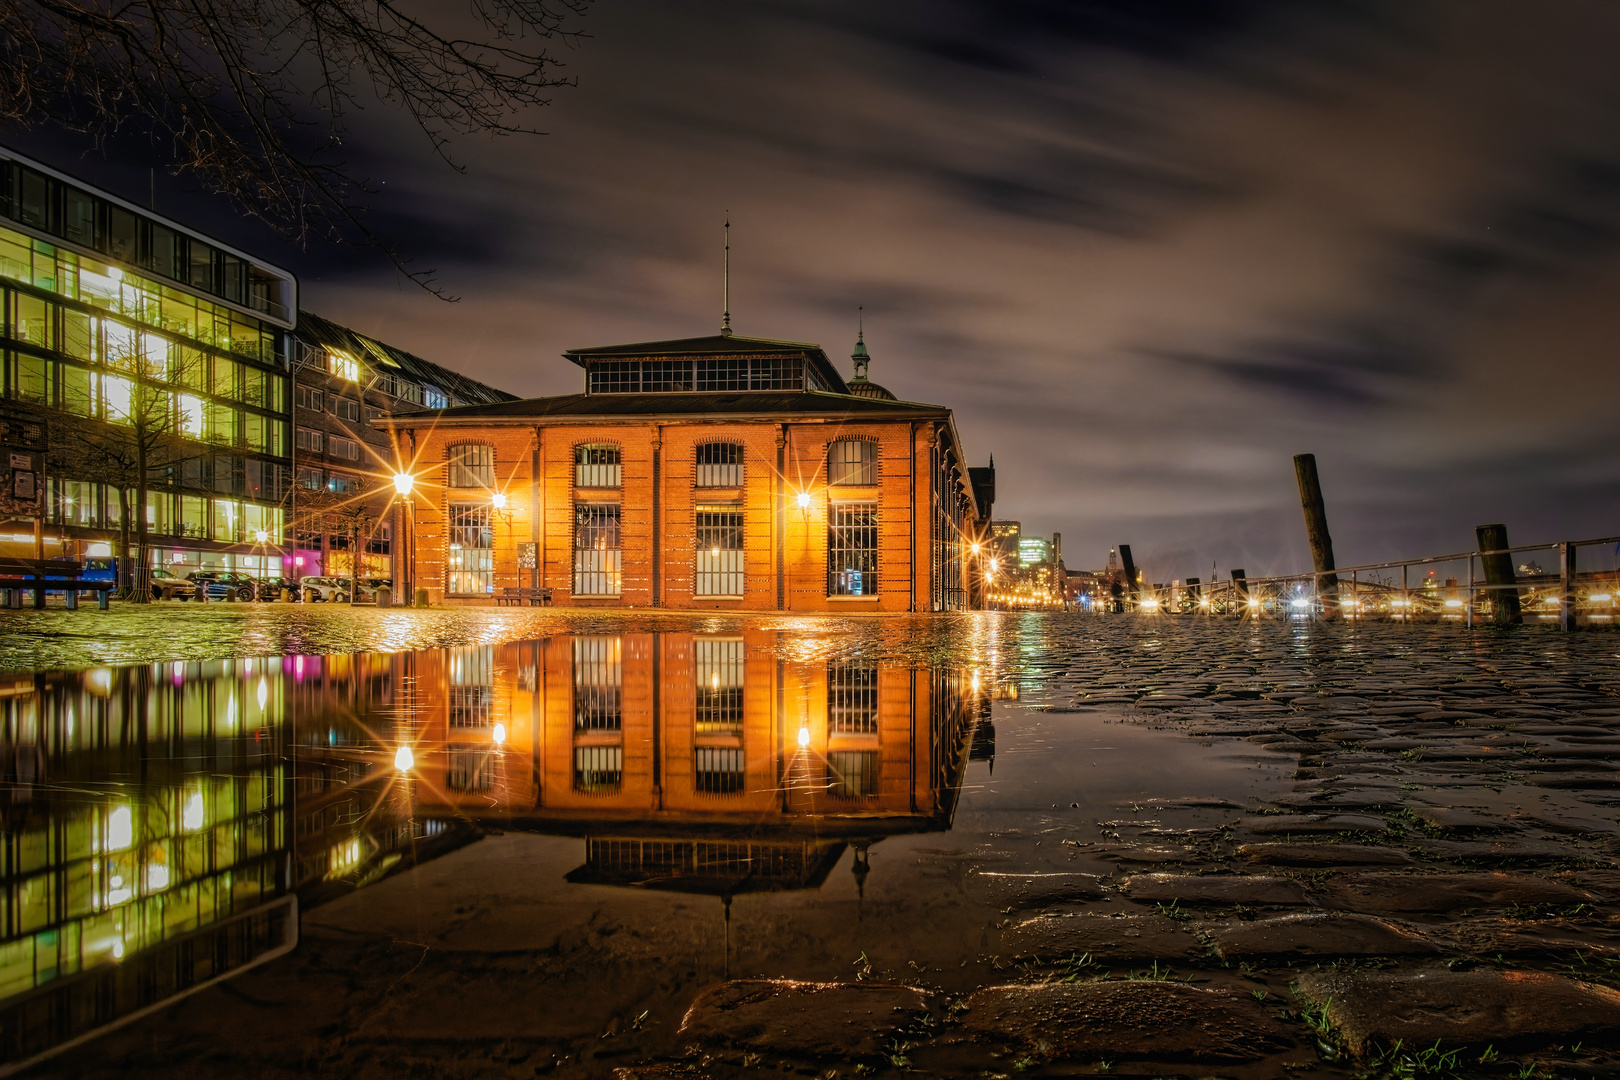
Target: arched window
[(472, 465), (596, 466), (719, 465), (852, 461)]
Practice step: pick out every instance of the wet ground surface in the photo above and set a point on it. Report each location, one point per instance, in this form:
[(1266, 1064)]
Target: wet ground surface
[(1198, 849)]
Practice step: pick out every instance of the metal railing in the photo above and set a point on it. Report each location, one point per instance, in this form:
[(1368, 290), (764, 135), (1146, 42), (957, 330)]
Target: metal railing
[(1552, 584)]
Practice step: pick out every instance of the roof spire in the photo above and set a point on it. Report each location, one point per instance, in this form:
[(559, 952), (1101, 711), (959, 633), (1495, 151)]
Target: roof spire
[(725, 283), (860, 356)]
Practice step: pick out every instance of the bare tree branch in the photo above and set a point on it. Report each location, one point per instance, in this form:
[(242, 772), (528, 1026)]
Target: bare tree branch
[(252, 96)]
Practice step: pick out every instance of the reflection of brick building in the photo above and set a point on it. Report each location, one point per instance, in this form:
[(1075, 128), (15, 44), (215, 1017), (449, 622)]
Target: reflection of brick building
[(719, 472)]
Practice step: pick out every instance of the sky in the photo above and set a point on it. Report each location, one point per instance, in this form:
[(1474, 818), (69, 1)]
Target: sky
[(1147, 250)]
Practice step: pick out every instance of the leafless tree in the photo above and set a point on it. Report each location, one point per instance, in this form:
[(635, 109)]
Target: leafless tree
[(149, 435), (253, 96)]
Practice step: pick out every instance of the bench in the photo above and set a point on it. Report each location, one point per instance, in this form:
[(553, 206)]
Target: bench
[(40, 576), (522, 595)]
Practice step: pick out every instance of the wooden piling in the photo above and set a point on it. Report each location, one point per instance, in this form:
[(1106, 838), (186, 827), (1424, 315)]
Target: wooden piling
[(1130, 571), (1316, 531), (1566, 586), (1497, 562), (1240, 585)]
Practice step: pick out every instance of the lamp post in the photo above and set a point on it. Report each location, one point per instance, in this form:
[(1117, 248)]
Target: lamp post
[(498, 504), (404, 483)]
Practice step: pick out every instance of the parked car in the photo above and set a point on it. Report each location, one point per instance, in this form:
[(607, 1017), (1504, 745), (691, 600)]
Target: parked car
[(223, 584), (270, 588), (165, 586), (317, 590), (369, 587)]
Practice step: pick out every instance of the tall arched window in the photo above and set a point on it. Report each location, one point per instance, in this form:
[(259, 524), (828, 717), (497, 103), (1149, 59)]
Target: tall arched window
[(472, 465), (596, 466), (852, 461), (719, 465)]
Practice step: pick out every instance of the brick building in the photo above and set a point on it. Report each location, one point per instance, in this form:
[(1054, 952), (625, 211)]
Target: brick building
[(720, 472)]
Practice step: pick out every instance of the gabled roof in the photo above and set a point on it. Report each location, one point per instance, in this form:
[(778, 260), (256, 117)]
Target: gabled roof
[(330, 335), (715, 345)]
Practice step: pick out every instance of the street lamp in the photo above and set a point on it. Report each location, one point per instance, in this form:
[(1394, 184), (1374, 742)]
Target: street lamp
[(404, 484)]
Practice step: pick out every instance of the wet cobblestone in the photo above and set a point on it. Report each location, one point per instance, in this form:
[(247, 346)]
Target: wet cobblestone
[(1428, 854)]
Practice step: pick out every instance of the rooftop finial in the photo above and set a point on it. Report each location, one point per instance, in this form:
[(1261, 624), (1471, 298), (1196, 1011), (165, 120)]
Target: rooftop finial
[(725, 286), (860, 355)]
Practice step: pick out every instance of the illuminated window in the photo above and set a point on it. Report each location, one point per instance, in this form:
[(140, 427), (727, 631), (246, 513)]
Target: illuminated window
[(343, 366), (434, 398), (596, 466), (471, 562), (852, 549), (598, 768), (719, 553), (472, 686), (597, 566)]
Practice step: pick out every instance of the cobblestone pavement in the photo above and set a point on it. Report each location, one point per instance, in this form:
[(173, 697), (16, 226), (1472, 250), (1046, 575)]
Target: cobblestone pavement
[(1354, 851)]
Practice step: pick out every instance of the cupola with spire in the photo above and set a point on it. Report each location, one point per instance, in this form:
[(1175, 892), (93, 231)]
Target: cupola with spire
[(860, 385)]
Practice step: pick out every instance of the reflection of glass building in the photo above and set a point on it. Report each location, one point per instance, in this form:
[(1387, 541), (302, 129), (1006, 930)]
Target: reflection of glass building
[(157, 819), (145, 842)]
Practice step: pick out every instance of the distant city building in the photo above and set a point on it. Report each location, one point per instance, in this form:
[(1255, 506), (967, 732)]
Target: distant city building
[(1032, 550), (702, 473), (132, 339), (343, 497)]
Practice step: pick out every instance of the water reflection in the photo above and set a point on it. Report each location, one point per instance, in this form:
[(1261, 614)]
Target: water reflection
[(161, 821)]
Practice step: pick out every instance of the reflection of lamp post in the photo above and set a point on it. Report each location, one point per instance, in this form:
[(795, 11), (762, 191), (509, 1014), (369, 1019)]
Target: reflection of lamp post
[(404, 483)]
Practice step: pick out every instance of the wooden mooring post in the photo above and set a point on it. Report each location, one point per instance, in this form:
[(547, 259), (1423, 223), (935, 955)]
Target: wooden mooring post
[(1497, 562), (1129, 564), (1566, 585), (1316, 531), (1240, 585)]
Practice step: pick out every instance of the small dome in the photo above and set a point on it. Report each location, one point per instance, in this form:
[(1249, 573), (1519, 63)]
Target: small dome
[(868, 389)]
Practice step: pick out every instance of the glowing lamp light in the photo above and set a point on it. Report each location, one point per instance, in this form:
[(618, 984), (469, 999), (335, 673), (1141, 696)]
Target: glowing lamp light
[(975, 548), (298, 560), (804, 738), (1453, 603), (120, 828), (804, 500), (404, 760), (1150, 603), (499, 734), (1601, 598), (498, 500), (261, 536), (1300, 602), (118, 950), (404, 482)]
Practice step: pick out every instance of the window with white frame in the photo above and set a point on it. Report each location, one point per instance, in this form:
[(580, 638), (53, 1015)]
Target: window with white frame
[(596, 466), (597, 566), (343, 448), (343, 365), (719, 664), (719, 554), (598, 683), (852, 549), (310, 439), (471, 565)]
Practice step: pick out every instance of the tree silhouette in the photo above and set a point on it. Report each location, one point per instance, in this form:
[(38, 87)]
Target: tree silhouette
[(252, 96)]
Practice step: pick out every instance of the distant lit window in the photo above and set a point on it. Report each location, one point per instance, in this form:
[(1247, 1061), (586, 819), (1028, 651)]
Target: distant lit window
[(719, 554), (719, 663), (346, 449), (852, 774), (852, 461), (434, 398), (343, 365), (597, 555), (342, 484)]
